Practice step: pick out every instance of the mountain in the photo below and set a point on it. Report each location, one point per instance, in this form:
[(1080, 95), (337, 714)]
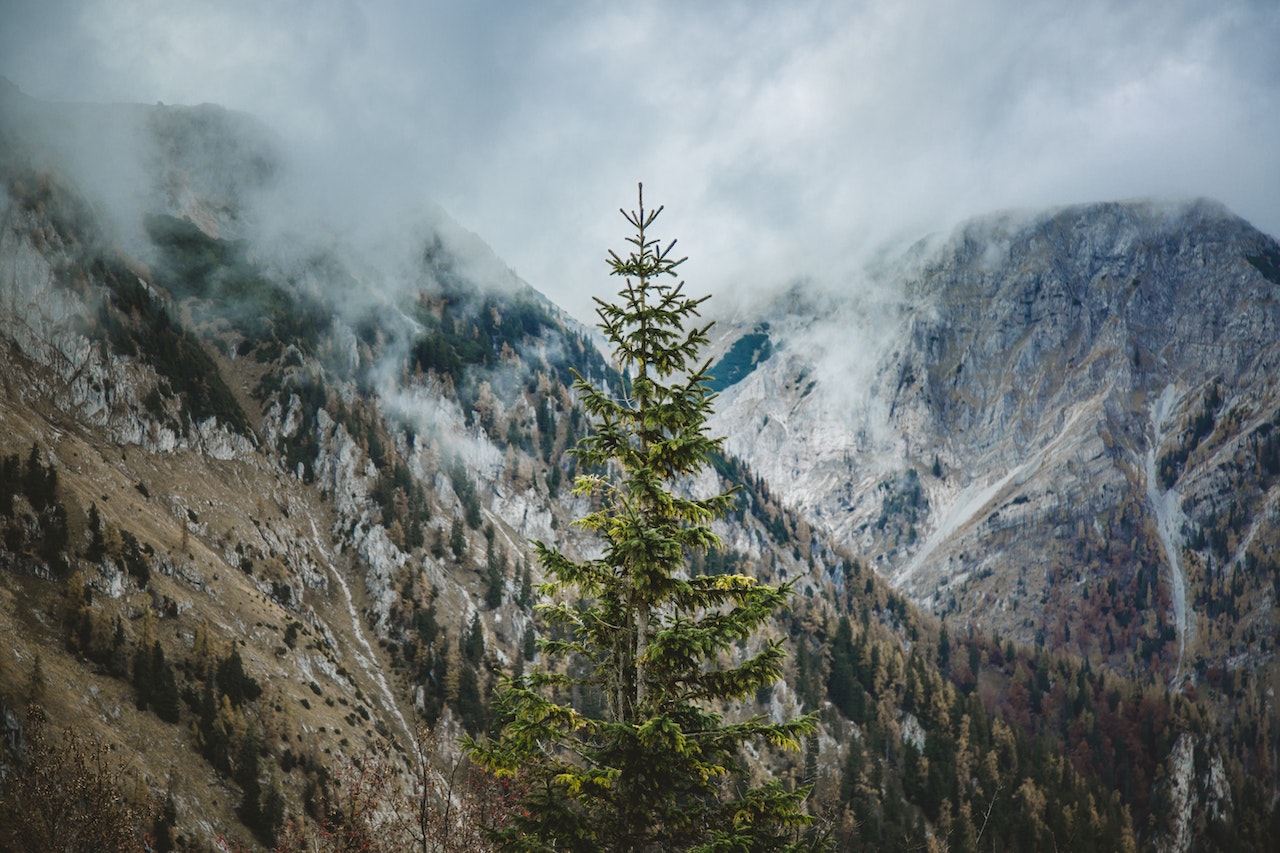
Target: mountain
[(267, 487), (268, 490), (1061, 426)]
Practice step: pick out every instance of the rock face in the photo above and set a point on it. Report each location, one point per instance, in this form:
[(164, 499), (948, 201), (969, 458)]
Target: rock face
[(1057, 425)]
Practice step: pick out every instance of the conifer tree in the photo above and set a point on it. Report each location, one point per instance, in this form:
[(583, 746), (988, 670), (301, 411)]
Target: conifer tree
[(495, 574), (526, 585), (457, 541), (164, 695), (162, 826), (660, 768)]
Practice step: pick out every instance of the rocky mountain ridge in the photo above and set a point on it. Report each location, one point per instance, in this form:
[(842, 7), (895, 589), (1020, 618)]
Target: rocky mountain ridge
[(1066, 400)]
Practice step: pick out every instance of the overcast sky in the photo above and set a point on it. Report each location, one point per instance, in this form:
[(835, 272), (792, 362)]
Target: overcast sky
[(785, 138)]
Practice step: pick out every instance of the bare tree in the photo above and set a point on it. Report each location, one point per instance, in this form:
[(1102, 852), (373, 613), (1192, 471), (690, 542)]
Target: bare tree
[(68, 796), (436, 802), (450, 803)]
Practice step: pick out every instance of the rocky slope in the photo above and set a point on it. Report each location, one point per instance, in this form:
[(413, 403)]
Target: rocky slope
[(1058, 425)]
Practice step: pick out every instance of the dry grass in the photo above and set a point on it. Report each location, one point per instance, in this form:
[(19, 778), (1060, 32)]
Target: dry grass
[(244, 503)]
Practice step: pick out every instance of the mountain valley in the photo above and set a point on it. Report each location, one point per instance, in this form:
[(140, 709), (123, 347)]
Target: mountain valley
[(267, 495)]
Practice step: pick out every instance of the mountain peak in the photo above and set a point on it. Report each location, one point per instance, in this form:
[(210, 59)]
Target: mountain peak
[(1108, 222), (1045, 375)]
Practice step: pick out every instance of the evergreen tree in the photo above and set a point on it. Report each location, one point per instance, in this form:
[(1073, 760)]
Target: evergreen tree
[(659, 768), (135, 559), (162, 826), (526, 585), (474, 647), (142, 677), (154, 682), (247, 768), (842, 684), (10, 482), (116, 661), (56, 534), (495, 574), (529, 645), (40, 483), (97, 545), (457, 540), (36, 682), (271, 813), (469, 704), (236, 684), (163, 687)]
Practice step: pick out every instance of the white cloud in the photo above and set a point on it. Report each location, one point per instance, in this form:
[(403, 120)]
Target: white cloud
[(785, 140)]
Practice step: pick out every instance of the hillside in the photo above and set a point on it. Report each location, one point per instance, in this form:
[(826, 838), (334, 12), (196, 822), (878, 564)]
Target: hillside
[(1066, 434), (266, 505)]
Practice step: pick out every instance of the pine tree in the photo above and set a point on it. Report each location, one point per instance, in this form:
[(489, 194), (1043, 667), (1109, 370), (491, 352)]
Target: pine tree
[(529, 645), (162, 826), (247, 768), (116, 662), (164, 695), (659, 767), (495, 574), (842, 684), (36, 682), (457, 541), (474, 648), (10, 482), (236, 684), (97, 545), (39, 483), (142, 677), (526, 585)]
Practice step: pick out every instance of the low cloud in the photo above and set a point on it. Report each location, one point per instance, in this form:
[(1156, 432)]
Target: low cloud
[(785, 141)]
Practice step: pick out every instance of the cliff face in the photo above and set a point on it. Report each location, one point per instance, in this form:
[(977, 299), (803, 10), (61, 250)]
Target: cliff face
[(1056, 425)]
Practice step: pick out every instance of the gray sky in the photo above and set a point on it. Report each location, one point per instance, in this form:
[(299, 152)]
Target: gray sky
[(785, 139)]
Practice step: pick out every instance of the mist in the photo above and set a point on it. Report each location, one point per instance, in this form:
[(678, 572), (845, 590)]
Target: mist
[(786, 142), (357, 260)]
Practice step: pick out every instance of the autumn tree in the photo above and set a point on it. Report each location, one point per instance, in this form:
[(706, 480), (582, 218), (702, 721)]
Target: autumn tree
[(659, 767), (68, 795)]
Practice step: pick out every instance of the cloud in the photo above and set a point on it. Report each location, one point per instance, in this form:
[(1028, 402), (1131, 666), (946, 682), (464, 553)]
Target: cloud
[(786, 141)]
